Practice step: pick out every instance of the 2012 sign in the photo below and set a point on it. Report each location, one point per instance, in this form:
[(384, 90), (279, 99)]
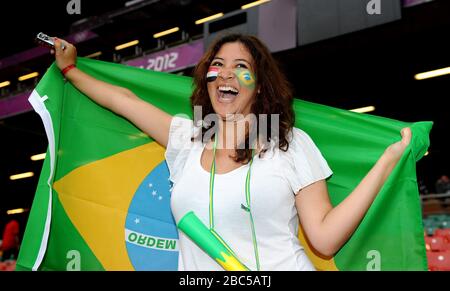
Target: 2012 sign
[(162, 63), (173, 59)]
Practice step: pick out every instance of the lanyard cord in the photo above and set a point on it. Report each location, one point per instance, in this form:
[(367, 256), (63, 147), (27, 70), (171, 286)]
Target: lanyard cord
[(246, 208)]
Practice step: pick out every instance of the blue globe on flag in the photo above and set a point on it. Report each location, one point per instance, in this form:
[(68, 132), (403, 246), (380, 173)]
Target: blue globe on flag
[(150, 231)]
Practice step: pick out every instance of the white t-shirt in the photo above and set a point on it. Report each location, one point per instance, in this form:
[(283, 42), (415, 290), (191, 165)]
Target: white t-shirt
[(275, 178)]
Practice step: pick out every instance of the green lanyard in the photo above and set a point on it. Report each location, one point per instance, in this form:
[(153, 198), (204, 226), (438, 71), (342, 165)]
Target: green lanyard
[(245, 207)]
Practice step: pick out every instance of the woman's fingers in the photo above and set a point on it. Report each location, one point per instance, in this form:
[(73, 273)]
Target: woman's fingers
[(396, 149), (58, 50), (406, 135)]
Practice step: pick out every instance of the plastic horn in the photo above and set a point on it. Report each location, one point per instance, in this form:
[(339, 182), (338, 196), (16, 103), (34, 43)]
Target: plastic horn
[(210, 242)]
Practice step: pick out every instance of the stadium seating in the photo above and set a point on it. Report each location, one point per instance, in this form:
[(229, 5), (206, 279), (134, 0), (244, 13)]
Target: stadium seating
[(443, 233), (438, 261), (436, 244), (9, 265), (437, 241)]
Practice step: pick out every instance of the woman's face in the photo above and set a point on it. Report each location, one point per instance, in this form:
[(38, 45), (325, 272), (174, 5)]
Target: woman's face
[(231, 81)]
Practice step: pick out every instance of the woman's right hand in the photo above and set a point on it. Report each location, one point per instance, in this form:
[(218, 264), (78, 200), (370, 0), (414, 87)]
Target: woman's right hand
[(149, 118), (64, 57)]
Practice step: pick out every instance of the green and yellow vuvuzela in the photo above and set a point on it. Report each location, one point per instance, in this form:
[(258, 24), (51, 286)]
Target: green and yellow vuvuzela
[(87, 213), (210, 242)]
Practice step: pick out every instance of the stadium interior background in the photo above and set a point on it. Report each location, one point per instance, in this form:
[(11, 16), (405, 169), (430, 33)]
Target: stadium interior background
[(370, 66)]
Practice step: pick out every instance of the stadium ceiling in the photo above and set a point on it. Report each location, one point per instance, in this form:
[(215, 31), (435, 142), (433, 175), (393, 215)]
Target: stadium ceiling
[(112, 19), (115, 22), (371, 67)]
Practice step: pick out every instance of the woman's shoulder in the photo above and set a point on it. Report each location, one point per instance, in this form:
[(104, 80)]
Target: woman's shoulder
[(299, 134), (301, 152), (180, 145), (182, 130), (181, 122), (270, 151), (303, 162), (299, 141)]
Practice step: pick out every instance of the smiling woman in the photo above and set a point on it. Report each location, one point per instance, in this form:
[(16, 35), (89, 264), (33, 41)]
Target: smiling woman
[(242, 63), (253, 196), (235, 79)]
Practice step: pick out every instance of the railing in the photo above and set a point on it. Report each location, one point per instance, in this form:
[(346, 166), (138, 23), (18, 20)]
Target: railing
[(435, 203), (433, 196)]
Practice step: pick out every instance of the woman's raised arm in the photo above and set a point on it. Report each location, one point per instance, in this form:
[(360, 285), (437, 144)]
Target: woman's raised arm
[(328, 228), (122, 101)]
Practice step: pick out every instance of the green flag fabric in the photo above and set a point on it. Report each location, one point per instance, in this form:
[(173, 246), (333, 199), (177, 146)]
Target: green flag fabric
[(103, 197)]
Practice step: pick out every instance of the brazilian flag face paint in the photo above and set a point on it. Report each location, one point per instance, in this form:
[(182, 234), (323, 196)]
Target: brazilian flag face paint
[(245, 78)]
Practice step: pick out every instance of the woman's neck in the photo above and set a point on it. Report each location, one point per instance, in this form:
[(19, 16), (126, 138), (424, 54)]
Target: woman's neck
[(232, 134), (229, 135)]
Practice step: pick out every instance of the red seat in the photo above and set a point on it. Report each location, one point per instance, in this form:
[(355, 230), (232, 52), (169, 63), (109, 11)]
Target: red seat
[(435, 243), (8, 265), (445, 233), (438, 261)]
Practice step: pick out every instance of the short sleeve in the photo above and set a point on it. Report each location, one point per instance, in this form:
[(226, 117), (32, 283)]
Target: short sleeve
[(179, 146), (303, 163)]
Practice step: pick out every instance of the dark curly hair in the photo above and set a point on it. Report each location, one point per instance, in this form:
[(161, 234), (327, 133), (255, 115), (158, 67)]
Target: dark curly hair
[(275, 96)]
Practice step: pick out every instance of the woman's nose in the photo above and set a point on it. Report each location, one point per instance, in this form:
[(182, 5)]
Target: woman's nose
[(226, 74)]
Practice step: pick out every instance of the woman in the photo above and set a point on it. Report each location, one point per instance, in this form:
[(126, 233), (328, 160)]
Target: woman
[(249, 188)]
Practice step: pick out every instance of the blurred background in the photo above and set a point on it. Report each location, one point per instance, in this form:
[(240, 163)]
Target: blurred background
[(363, 55)]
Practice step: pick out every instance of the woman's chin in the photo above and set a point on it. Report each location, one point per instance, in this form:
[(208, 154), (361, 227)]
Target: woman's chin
[(224, 111), (229, 112), (225, 115), (230, 115)]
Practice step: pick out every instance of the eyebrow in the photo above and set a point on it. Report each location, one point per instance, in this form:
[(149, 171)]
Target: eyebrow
[(243, 60)]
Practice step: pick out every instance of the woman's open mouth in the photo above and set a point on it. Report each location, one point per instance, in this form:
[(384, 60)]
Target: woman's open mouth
[(227, 94)]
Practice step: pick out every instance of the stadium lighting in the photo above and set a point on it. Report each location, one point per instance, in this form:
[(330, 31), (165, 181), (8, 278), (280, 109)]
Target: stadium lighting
[(38, 157), (427, 153), (432, 74), (252, 4), (130, 3), (4, 84), (16, 211), (203, 20), (28, 76), (94, 55), (21, 176), (126, 45), (364, 109), (166, 32)]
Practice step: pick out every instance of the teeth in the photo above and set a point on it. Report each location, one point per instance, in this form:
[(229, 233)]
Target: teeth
[(228, 88)]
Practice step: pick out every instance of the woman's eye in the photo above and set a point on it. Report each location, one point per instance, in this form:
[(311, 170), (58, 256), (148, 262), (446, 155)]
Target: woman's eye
[(242, 66), (216, 64)]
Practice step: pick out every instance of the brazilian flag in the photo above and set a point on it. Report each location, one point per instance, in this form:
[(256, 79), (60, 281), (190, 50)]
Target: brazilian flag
[(103, 197)]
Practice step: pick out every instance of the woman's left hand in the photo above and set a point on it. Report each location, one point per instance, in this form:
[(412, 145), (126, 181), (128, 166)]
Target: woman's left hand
[(395, 150)]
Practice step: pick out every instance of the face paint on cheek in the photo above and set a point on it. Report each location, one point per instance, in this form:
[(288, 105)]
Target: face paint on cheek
[(245, 78), (212, 74)]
